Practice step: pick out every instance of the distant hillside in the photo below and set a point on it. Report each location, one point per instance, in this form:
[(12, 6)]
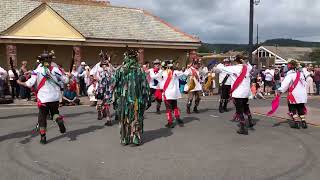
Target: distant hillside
[(222, 48), (291, 43)]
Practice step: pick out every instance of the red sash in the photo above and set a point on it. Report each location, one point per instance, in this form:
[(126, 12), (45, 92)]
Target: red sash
[(239, 79), (290, 96), (166, 84)]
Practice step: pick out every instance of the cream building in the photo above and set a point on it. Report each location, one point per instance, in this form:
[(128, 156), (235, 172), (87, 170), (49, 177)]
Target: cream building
[(28, 27)]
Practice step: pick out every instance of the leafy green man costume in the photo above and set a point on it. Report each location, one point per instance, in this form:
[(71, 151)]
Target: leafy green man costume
[(131, 96)]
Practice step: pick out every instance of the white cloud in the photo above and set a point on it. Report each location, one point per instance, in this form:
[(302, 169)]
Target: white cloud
[(226, 21)]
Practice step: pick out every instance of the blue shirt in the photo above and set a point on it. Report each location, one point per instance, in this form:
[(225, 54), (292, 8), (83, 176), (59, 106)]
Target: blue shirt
[(69, 94)]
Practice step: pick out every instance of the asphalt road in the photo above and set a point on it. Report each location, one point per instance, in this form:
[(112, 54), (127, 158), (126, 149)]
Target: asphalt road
[(208, 147)]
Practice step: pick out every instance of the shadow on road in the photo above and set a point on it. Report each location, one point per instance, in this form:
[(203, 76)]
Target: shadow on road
[(18, 135), (75, 133), (152, 135), (36, 115), (187, 120)]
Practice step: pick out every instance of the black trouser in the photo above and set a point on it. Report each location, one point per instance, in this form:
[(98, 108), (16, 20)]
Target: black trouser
[(297, 109), (2, 88), (25, 93), (52, 107), (225, 92), (83, 89), (15, 89), (242, 107)]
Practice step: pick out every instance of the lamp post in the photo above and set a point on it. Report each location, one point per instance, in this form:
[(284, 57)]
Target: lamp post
[(252, 3)]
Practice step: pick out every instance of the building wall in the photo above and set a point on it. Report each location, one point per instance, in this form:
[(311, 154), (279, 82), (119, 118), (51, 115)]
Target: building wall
[(3, 62), (28, 52)]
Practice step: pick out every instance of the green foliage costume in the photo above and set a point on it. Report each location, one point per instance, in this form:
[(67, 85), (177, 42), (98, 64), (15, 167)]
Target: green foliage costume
[(131, 96)]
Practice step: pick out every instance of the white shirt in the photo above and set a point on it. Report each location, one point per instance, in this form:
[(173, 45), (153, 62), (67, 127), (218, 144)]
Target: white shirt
[(300, 92), (50, 91), (269, 73), (306, 74), (11, 74), (173, 91), (222, 75), (95, 70), (155, 77), (243, 90), (3, 74), (198, 86)]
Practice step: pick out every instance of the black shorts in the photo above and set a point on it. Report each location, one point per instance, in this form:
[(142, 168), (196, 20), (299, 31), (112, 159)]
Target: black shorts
[(297, 109), (268, 83)]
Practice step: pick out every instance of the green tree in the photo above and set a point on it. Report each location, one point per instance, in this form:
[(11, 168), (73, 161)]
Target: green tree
[(204, 49), (315, 56)]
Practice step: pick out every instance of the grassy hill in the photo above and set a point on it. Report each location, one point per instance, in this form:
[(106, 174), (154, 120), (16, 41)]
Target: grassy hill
[(222, 48)]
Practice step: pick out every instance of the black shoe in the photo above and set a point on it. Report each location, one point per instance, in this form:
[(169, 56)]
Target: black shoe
[(43, 139), (304, 124), (158, 111), (225, 109), (180, 122), (243, 130), (170, 125), (195, 109), (295, 125), (62, 128), (100, 116), (108, 123)]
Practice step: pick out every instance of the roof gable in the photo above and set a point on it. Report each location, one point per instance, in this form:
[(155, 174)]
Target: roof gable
[(97, 23), (43, 23)]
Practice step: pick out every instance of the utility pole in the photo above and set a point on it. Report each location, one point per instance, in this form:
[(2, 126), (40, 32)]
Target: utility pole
[(250, 48), (257, 34)]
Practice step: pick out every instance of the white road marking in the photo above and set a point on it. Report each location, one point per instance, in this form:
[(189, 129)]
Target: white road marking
[(214, 116)]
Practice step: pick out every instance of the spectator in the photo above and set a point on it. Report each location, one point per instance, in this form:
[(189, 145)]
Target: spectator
[(70, 97), (182, 81), (317, 79), (3, 78), (75, 80), (81, 72), (277, 78), (86, 75), (92, 87), (15, 88), (24, 91), (269, 77)]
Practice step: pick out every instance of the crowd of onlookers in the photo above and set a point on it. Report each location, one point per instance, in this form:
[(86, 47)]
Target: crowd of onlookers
[(78, 84), (264, 81), (268, 79)]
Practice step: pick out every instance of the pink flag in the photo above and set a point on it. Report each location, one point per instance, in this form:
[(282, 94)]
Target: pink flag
[(275, 104)]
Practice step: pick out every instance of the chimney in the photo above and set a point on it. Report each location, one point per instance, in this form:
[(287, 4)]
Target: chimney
[(80, 2)]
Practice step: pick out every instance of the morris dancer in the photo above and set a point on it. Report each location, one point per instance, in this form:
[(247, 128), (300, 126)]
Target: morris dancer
[(171, 93), (104, 91), (48, 79), (295, 84), (194, 87), (132, 97), (155, 80), (240, 91), (225, 82)]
